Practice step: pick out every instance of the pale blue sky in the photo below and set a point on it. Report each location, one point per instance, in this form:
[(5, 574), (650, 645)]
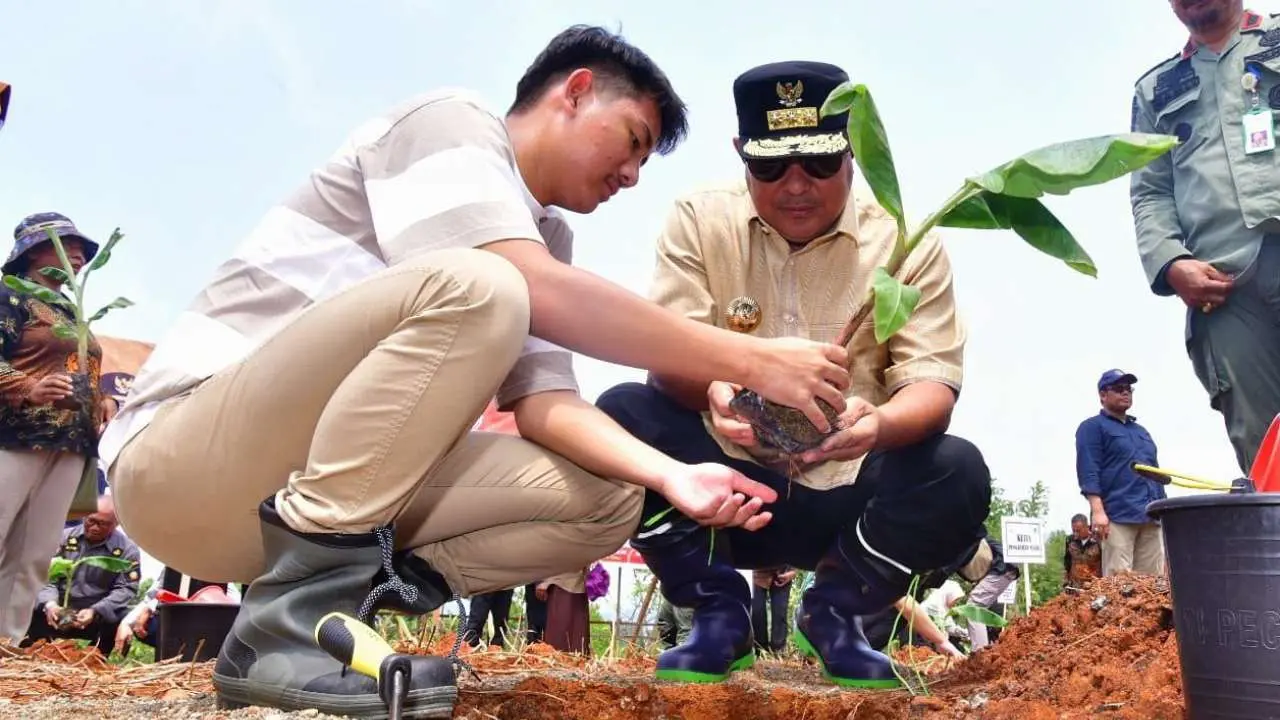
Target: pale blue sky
[(183, 121)]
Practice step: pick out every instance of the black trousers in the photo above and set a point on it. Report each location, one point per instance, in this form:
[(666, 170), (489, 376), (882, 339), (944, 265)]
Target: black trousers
[(100, 632), (769, 616), (921, 506), (499, 604), (535, 614)]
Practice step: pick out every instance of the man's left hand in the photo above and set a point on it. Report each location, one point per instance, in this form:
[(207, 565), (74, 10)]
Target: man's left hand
[(84, 618), (859, 432)]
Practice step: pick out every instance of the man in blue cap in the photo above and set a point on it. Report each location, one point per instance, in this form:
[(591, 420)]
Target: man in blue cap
[(1107, 446), (790, 252)]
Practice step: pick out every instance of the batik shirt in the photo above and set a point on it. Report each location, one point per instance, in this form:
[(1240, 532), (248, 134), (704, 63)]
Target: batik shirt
[(30, 351)]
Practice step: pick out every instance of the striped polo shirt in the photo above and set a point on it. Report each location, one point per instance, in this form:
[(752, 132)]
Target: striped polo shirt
[(436, 172)]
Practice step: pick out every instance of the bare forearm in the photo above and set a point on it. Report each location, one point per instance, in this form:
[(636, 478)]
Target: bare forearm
[(914, 413), (1095, 503), (922, 624), (568, 425), (692, 394), (586, 313)]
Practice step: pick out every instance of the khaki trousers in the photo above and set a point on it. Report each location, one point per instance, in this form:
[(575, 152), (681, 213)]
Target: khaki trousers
[(358, 413), (35, 492), (1138, 547)]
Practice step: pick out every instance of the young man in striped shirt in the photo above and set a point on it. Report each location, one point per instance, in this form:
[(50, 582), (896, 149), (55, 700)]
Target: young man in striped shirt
[(323, 385)]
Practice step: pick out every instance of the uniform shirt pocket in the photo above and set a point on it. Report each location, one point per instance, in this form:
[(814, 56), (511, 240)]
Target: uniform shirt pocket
[(1178, 117)]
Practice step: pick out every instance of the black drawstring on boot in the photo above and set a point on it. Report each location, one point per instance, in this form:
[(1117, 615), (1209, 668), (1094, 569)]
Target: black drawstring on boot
[(386, 541), (409, 594)]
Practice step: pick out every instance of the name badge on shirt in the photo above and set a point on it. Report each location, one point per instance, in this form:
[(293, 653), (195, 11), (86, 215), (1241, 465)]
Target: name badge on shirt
[(1259, 131), (1258, 122)]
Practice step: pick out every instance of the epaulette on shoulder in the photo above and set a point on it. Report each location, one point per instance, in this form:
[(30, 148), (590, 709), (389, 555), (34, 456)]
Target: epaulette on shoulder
[(1157, 66)]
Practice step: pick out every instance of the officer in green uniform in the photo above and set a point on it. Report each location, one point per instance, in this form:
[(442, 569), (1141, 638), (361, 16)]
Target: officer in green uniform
[(1207, 215)]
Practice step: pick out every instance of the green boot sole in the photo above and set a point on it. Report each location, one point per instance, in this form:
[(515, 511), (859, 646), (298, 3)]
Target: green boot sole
[(807, 648), (692, 676)]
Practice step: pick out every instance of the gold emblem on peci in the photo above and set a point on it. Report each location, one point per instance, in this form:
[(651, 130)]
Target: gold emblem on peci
[(789, 93), (743, 315)]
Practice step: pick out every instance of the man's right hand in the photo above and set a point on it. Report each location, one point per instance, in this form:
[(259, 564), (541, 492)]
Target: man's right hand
[(1198, 283), (51, 614), (716, 496), (794, 372), (1101, 523), (49, 388), (140, 624), (124, 635), (724, 419)]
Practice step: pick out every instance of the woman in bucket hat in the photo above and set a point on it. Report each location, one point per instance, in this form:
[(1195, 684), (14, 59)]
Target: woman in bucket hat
[(43, 445)]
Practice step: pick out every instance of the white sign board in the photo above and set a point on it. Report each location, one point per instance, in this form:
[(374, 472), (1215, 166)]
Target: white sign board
[(1023, 540)]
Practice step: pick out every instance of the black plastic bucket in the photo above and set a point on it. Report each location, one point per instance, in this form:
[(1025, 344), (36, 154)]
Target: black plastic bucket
[(186, 627), (1224, 572)]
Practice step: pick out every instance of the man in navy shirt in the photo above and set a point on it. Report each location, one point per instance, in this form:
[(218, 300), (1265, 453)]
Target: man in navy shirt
[(1107, 446)]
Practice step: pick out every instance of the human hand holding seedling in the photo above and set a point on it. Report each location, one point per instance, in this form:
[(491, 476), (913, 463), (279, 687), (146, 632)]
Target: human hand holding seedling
[(856, 435), (724, 420), (49, 389)]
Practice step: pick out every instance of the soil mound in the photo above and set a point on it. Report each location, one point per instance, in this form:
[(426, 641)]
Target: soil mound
[(1105, 650), (1109, 648)]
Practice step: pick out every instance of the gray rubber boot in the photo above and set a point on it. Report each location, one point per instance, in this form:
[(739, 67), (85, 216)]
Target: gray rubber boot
[(270, 657)]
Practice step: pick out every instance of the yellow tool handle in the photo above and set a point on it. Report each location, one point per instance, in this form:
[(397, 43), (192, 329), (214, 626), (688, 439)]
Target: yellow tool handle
[(353, 643), (1191, 480)]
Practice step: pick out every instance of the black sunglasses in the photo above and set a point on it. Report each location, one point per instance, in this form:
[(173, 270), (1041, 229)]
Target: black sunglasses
[(820, 167), (1120, 389)]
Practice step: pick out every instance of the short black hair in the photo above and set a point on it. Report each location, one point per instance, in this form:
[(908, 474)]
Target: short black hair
[(1079, 517), (615, 63)]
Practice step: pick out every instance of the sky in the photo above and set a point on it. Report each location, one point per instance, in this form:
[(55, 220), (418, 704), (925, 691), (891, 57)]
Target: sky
[(183, 121)]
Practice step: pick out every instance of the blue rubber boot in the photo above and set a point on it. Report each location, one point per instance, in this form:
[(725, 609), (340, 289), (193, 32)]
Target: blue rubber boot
[(695, 574), (848, 582)]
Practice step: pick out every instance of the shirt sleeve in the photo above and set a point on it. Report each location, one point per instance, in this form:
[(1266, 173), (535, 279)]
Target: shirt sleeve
[(931, 345), (1088, 459), (444, 176), (542, 366), (680, 279), (1155, 215), (14, 384), (52, 591), (124, 587), (49, 593)]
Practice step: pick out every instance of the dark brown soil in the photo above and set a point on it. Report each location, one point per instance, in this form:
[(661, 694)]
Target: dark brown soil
[(1077, 657)]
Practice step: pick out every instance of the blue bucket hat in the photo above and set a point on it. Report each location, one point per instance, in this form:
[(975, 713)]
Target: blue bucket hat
[(31, 232)]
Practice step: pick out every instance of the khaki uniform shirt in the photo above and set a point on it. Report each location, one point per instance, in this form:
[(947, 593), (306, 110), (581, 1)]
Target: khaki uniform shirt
[(715, 248)]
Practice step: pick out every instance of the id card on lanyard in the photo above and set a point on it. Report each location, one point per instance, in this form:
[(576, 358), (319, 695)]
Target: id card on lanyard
[(1258, 122)]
